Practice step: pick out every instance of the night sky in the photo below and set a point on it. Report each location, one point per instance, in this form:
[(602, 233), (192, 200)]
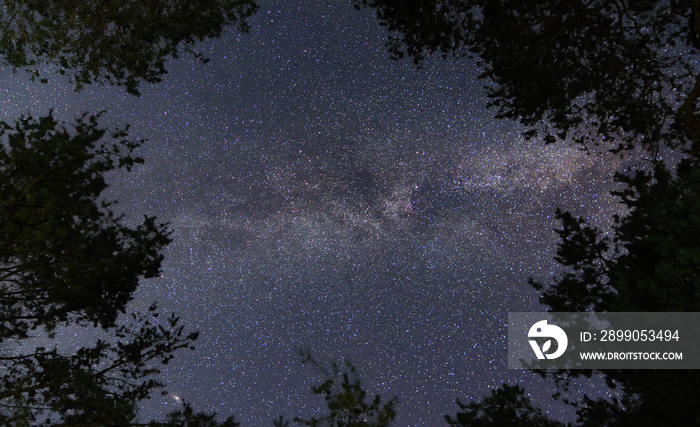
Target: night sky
[(323, 196)]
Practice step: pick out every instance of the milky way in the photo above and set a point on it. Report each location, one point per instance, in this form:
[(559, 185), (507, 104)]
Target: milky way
[(323, 196)]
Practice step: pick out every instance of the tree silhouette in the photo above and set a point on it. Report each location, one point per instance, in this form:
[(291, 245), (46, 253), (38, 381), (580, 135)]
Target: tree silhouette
[(114, 42), (506, 406), (619, 74), (188, 418), (345, 399), (614, 73), (67, 260), (650, 262)]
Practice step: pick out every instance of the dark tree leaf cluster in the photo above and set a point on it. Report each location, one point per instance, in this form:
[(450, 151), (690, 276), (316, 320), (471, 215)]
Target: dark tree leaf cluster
[(114, 42), (188, 418), (346, 399), (620, 74), (64, 254), (505, 406), (649, 262), (419, 28), (67, 260), (623, 75), (98, 384), (651, 259)]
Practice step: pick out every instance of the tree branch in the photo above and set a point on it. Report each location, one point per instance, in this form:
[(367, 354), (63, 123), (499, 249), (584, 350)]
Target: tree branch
[(24, 390)]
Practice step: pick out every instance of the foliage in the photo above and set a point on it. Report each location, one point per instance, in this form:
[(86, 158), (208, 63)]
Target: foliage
[(114, 42), (100, 383), (506, 406), (620, 74), (63, 252), (650, 262), (188, 418), (66, 260), (345, 399), (280, 422), (616, 73)]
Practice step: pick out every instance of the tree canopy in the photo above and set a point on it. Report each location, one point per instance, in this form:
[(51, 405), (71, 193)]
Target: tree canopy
[(506, 406), (114, 42), (650, 261), (66, 259), (621, 75), (346, 399), (618, 74), (64, 254)]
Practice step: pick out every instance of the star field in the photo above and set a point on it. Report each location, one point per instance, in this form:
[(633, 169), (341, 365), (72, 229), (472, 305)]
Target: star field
[(323, 196)]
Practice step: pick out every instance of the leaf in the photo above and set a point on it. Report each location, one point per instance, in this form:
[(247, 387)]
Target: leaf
[(529, 134)]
